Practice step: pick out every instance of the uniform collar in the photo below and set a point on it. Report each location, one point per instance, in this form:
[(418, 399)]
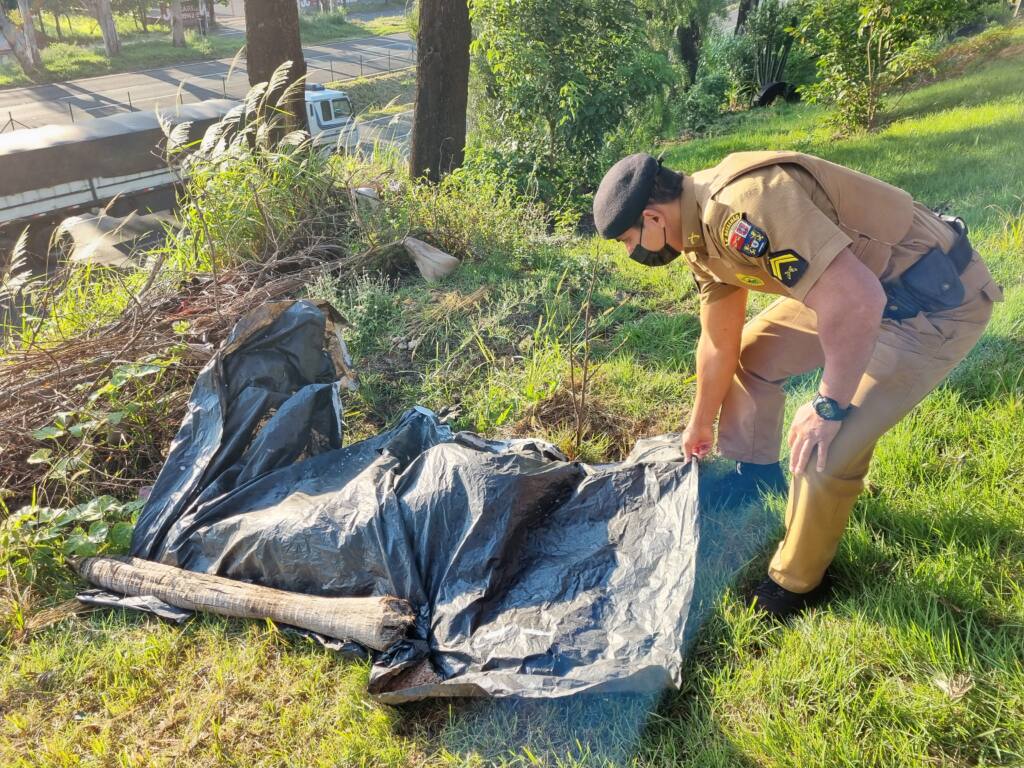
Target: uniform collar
[(693, 234)]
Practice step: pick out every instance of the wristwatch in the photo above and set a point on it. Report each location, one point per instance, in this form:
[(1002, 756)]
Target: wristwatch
[(829, 409)]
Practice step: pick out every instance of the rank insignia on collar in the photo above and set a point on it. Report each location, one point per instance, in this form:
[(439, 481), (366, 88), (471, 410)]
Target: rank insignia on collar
[(746, 238), (787, 267)]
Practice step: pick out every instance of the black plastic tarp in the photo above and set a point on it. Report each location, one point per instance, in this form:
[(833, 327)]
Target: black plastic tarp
[(532, 575)]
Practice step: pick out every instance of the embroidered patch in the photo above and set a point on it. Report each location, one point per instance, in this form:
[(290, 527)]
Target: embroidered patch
[(787, 267), (747, 239), (751, 280), (732, 219)]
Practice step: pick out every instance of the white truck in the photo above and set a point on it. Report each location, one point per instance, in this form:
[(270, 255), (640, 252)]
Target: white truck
[(332, 122), (59, 170)]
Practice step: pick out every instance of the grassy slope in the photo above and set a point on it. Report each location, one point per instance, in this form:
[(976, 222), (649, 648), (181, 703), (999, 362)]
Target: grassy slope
[(917, 663), (380, 95), (85, 58)]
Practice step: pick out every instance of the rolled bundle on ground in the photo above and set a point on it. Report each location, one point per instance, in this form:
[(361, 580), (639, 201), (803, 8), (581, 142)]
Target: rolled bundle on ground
[(375, 622)]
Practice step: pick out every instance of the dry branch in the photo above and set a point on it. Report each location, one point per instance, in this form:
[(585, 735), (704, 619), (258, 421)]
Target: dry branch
[(375, 622), (38, 380)]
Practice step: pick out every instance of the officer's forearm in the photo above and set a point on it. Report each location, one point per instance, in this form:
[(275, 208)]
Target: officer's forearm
[(718, 352), (848, 301), (715, 369), (848, 343)]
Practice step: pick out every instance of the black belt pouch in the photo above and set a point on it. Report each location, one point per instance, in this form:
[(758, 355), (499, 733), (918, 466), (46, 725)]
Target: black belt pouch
[(933, 282)]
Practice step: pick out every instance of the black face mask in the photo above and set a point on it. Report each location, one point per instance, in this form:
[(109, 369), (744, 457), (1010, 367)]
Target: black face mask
[(658, 258)]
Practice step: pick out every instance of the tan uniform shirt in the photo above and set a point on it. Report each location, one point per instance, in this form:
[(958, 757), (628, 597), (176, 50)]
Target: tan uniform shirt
[(784, 206)]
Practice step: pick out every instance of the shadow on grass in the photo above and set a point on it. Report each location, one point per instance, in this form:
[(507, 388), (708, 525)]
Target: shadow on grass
[(946, 166)]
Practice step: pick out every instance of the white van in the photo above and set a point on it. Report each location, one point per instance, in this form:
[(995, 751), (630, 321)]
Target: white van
[(332, 122)]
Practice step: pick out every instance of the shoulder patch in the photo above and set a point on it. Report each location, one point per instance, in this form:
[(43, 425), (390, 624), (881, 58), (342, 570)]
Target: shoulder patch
[(746, 238), (787, 267), (727, 225)]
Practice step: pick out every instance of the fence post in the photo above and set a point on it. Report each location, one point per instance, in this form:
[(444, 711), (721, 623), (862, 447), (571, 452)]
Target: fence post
[(71, 112), (389, 60), (360, 65), (131, 107), (224, 86), (331, 62)]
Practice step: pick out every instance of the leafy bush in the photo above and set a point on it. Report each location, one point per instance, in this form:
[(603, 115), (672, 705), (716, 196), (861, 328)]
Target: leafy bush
[(114, 437), (704, 101), (643, 128), (558, 76), (731, 58), (35, 542), (734, 68), (867, 47)]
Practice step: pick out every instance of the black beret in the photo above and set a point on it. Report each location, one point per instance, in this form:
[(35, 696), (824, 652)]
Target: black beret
[(623, 194)]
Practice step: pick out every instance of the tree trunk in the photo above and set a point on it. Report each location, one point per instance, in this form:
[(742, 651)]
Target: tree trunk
[(272, 38), (375, 622), (143, 12), (442, 88), (31, 66), (28, 30), (177, 24), (105, 16), (56, 24), (689, 47), (745, 9), (1016, 8), (211, 14)]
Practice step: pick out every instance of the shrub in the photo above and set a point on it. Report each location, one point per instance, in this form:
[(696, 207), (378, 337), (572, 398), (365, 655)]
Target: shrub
[(734, 68), (703, 102), (731, 58), (558, 78), (867, 47)]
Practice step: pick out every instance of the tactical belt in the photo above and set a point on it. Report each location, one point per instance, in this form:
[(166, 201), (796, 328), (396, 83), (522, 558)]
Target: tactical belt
[(932, 283)]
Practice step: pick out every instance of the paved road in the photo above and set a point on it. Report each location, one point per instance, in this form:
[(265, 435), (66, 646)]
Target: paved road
[(78, 100), (383, 132)]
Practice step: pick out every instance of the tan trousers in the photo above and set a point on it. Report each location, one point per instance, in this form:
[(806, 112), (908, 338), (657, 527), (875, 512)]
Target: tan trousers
[(910, 359)]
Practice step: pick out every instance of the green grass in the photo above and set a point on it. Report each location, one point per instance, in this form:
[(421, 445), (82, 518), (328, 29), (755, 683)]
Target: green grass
[(85, 56), (380, 95), (918, 662), (84, 29)]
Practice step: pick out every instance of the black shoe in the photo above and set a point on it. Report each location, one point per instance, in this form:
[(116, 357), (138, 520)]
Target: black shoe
[(762, 478), (779, 603)]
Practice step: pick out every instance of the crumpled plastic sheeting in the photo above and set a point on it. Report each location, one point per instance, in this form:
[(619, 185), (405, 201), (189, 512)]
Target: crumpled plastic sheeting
[(532, 575)]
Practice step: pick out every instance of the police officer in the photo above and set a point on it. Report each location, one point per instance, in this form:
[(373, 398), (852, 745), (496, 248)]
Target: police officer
[(877, 290)]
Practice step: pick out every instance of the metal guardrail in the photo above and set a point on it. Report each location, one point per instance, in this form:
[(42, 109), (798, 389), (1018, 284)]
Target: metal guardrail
[(10, 124), (335, 70)]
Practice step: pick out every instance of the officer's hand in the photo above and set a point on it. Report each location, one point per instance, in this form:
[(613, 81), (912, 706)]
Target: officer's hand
[(810, 431), (697, 440)]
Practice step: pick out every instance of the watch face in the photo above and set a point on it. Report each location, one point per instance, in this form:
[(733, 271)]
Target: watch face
[(828, 409)]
